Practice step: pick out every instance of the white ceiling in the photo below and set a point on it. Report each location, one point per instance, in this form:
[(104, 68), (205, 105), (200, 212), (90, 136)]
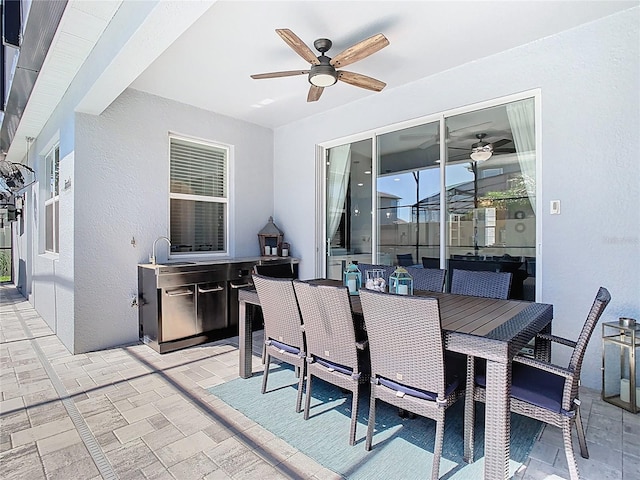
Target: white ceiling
[(209, 66)]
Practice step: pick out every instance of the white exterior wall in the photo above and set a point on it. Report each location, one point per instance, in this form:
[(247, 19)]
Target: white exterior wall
[(122, 192), (589, 78), (46, 279)]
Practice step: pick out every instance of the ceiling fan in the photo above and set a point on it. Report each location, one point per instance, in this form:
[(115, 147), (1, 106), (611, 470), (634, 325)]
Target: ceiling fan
[(482, 150), (323, 71)]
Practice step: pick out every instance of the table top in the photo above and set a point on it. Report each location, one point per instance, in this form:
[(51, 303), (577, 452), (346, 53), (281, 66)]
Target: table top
[(485, 327)]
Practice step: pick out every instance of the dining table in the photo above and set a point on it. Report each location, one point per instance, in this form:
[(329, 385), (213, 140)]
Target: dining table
[(492, 329)]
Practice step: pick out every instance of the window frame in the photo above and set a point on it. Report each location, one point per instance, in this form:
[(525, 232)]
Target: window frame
[(226, 201), (52, 169)]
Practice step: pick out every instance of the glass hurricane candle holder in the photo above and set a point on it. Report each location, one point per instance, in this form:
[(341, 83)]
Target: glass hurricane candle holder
[(374, 280), (401, 282), (352, 279)]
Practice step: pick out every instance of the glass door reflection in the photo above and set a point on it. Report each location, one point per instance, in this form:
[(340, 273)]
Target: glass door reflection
[(408, 173), (349, 205)]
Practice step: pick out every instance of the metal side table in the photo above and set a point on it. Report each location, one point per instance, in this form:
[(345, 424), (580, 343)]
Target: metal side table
[(620, 341)]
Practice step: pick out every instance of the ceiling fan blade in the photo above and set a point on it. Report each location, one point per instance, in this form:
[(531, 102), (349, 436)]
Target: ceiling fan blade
[(298, 45), (362, 81), (289, 73), (469, 127), (360, 50), (314, 93), (500, 143)]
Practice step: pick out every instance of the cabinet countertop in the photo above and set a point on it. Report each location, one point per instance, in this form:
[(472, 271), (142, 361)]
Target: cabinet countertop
[(220, 261)]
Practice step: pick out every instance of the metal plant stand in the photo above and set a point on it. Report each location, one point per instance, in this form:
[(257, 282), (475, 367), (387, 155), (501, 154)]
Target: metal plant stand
[(619, 382)]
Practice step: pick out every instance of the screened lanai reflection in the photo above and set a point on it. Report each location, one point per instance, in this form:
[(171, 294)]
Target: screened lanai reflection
[(408, 170), (491, 203)]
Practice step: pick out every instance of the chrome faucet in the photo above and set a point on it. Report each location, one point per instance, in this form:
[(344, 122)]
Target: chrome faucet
[(152, 258)]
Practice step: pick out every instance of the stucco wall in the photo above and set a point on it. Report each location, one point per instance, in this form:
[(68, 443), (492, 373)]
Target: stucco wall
[(589, 78), (121, 191)]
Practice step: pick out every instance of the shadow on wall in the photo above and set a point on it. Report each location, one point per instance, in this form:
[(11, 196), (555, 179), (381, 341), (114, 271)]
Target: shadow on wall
[(53, 279)]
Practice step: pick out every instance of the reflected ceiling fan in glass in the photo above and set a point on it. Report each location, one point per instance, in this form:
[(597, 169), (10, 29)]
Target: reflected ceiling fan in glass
[(481, 150)]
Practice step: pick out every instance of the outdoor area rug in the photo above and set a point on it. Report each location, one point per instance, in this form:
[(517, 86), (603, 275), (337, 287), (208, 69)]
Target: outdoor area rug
[(402, 448)]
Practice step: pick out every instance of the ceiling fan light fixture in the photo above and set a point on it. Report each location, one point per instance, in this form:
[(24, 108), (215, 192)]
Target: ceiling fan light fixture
[(323, 77), (482, 153)]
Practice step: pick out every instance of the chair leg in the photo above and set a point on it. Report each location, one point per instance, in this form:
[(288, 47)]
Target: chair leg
[(266, 373), (469, 412), (439, 441), (264, 352), (581, 438), (568, 450), (354, 417), (307, 400), (372, 418), (300, 388)]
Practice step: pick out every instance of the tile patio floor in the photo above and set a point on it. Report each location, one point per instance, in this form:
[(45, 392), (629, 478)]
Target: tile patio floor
[(131, 413)]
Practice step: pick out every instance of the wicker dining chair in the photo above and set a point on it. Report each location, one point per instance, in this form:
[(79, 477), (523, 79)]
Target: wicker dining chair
[(278, 270), (333, 354), (405, 259), (428, 279), (481, 284), (541, 390), (408, 367), (283, 331)]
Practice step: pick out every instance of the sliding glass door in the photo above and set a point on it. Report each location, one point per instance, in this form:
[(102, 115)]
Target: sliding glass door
[(408, 172), (348, 206), (477, 204)]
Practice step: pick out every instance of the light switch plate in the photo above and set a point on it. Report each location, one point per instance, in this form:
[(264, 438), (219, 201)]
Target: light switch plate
[(555, 207)]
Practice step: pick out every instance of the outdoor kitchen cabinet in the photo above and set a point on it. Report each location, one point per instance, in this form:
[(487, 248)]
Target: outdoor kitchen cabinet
[(182, 304)]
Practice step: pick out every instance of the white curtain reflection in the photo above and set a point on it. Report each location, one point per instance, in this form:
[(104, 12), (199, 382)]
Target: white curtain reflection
[(521, 117), (338, 172)]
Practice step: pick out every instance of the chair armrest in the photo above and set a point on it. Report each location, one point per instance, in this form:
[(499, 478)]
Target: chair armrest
[(362, 345), (547, 367), (554, 338)]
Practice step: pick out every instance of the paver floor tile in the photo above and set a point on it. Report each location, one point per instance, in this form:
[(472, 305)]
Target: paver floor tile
[(41, 431), (182, 449)]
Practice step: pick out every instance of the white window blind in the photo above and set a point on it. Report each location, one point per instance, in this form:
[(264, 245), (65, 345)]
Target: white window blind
[(198, 197)]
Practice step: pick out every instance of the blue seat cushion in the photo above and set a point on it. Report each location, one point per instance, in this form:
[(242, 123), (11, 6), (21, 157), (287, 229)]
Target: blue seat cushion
[(283, 346), (334, 366), (532, 385), (415, 392)]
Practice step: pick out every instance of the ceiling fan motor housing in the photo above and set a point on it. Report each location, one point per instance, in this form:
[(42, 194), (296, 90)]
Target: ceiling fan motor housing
[(323, 75)]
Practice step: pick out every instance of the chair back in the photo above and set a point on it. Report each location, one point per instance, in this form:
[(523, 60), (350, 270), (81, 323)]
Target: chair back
[(599, 304), (328, 323), (278, 270), (429, 279), (282, 320), (405, 339), (481, 284), (430, 262), (405, 259)]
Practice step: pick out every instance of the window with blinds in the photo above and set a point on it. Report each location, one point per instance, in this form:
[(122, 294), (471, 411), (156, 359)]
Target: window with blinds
[(198, 197)]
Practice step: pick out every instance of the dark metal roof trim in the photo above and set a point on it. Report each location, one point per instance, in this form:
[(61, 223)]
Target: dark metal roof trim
[(42, 24)]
